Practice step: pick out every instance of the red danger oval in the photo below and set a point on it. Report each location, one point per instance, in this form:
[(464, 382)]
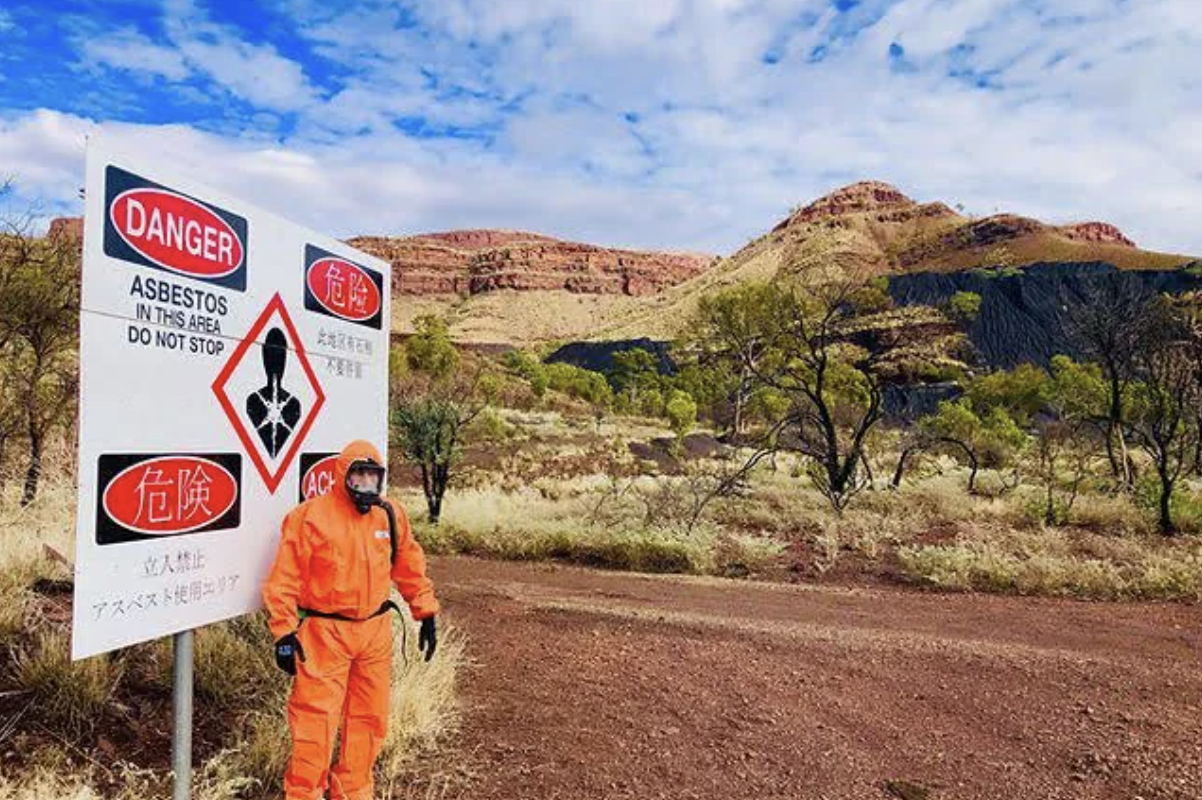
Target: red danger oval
[(170, 494), (177, 233), (344, 289), (319, 480)]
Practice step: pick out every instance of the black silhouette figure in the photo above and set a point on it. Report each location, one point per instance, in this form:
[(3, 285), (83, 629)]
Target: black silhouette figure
[(272, 409)]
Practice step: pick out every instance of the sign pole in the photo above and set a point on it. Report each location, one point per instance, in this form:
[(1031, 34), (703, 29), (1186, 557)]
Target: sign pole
[(181, 733)]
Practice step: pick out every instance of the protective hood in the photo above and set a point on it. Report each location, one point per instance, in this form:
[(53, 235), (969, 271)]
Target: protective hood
[(358, 450)]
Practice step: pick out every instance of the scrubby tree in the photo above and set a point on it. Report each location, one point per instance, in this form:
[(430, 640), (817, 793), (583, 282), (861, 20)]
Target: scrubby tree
[(1020, 392), (681, 411), (986, 425), (990, 438), (712, 386), (1068, 434), (430, 349), (539, 382), (1078, 390), (12, 413), (964, 307), (636, 381), (729, 337), (1062, 457), (580, 383), (1164, 418), (429, 421), (39, 320), (531, 368), (801, 345)]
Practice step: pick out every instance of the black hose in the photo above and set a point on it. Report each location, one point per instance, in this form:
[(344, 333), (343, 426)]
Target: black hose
[(387, 506)]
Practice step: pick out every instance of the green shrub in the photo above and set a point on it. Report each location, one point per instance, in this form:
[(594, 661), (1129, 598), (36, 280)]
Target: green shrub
[(1186, 506), (964, 306), (580, 383), (681, 411)]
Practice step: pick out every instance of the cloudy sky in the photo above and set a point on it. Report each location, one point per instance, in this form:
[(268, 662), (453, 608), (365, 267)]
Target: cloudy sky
[(680, 124)]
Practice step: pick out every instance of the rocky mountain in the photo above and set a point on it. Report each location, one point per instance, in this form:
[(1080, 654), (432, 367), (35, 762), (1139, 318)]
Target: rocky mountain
[(872, 229), (66, 226), (471, 262), (887, 232), (501, 287)]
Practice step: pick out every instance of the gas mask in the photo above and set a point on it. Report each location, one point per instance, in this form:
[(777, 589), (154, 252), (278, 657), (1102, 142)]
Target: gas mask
[(364, 483)]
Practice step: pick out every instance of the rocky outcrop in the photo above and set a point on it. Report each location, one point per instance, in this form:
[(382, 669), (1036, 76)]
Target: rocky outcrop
[(471, 262), (858, 198), (1098, 232), (420, 265), (476, 261), (70, 227)]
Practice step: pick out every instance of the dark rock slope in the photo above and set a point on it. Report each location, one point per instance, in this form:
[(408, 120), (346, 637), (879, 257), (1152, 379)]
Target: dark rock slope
[(1026, 314)]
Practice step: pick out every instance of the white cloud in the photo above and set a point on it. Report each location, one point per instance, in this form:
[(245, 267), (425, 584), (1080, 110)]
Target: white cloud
[(195, 46), (360, 186), (255, 73), (695, 124), (127, 49)]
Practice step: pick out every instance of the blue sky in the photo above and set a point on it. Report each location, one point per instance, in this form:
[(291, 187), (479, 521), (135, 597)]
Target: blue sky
[(677, 124)]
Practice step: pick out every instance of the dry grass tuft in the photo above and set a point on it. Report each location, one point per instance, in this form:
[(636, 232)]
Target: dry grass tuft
[(425, 703), (71, 694), (1059, 564), (46, 785)]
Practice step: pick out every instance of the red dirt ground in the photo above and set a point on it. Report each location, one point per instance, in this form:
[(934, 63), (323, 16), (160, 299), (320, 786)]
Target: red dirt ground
[(611, 685)]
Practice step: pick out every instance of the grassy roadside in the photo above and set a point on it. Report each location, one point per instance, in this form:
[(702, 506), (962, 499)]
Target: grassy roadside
[(99, 727), (560, 491)]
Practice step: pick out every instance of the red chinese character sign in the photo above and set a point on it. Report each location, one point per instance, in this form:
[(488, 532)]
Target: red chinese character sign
[(225, 354)]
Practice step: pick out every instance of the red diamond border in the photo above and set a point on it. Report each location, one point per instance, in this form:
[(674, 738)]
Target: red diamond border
[(272, 480)]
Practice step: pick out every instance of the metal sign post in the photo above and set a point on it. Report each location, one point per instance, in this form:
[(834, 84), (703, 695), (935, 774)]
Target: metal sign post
[(181, 734)]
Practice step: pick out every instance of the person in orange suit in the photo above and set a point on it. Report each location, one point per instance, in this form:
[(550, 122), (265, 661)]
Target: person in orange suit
[(327, 596)]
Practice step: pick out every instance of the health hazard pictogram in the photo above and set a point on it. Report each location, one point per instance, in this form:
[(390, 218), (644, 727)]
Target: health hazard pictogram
[(270, 393)]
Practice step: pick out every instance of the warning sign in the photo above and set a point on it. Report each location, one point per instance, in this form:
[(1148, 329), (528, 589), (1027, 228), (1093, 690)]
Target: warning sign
[(157, 495), (343, 289), (316, 475), (270, 405), (149, 224), (221, 347)]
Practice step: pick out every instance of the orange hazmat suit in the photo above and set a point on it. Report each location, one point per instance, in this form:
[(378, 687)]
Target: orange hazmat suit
[(334, 560)]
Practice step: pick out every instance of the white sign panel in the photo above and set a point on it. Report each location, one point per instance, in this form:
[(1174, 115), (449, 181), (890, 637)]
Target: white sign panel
[(225, 354)]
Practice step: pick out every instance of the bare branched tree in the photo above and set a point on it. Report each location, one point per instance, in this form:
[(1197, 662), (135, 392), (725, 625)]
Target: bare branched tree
[(1165, 419), (1111, 325), (1062, 456)]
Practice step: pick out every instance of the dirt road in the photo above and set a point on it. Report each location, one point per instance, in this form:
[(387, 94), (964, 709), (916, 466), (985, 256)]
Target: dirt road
[(591, 684)]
